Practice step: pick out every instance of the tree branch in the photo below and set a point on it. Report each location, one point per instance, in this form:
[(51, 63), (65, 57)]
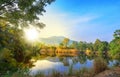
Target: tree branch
[(7, 3)]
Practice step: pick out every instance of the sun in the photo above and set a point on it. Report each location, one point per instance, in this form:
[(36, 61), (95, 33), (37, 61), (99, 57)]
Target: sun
[(31, 34)]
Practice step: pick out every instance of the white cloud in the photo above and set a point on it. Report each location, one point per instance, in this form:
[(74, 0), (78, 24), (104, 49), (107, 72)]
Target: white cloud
[(59, 23), (83, 19), (54, 24)]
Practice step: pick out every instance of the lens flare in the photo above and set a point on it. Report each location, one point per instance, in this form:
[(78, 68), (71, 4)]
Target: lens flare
[(31, 34)]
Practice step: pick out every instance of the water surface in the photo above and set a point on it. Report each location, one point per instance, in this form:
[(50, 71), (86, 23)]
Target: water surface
[(62, 64)]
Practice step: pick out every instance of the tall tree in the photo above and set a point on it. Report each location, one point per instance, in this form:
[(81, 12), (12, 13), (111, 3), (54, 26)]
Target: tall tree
[(66, 42), (115, 45), (97, 45)]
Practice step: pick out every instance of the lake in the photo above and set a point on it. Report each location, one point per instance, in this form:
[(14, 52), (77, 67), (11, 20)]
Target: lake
[(62, 64)]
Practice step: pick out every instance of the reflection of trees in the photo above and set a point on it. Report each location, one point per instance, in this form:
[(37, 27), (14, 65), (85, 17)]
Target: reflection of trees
[(82, 58), (75, 60), (91, 57), (117, 63), (66, 61), (61, 59)]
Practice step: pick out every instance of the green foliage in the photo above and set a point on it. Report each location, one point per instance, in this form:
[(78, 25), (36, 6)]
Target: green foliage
[(20, 11), (74, 45), (115, 45), (65, 43), (90, 46), (97, 45), (6, 61), (115, 48), (14, 51), (117, 34), (82, 46), (101, 47), (82, 58)]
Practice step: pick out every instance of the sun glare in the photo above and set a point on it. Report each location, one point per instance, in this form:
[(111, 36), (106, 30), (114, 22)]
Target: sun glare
[(31, 34)]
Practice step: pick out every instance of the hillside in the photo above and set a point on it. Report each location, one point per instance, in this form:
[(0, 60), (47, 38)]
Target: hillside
[(54, 40)]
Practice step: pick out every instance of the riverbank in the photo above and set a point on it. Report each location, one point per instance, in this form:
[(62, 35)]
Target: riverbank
[(115, 72)]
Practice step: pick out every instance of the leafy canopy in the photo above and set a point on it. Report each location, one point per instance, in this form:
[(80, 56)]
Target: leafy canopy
[(22, 11), (115, 45)]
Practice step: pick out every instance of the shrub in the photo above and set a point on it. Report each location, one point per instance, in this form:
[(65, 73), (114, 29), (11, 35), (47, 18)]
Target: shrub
[(99, 65)]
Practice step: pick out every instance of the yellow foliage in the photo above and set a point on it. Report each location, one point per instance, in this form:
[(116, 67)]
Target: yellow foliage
[(88, 52), (3, 22)]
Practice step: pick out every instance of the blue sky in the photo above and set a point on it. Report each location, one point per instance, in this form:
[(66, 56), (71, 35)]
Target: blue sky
[(82, 20)]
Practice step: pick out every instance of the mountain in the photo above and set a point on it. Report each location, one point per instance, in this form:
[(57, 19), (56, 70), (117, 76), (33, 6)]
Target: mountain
[(54, 40)]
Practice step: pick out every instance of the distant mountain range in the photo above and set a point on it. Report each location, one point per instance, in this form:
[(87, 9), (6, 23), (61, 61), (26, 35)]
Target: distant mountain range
[(54, 40)]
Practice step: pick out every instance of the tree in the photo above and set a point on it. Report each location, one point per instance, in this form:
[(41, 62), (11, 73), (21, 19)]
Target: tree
[(66, 42), (74, 44), (103, 46), (97, 45), (115, 45), (23, 12), (11, 49), (103, 49), (82, 46), (90, 46), (116, 34), (61, 45), (15, 14)]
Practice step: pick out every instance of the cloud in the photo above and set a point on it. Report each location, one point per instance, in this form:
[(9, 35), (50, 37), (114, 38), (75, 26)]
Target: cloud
[(54, 24), (83, 19), (59, 23)]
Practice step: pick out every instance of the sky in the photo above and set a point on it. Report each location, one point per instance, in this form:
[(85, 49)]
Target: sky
[(82, 20)]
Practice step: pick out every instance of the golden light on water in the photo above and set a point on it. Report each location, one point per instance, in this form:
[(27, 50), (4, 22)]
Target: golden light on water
[(31, 34)]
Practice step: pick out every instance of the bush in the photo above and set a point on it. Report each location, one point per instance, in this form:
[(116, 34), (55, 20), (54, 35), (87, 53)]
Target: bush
[(99, 65)]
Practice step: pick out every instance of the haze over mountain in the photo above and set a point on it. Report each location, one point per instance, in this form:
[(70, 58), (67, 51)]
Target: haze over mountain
[(53, 40)]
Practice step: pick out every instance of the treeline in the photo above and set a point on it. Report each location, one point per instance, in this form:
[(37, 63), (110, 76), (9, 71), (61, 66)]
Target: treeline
[(112, 48)]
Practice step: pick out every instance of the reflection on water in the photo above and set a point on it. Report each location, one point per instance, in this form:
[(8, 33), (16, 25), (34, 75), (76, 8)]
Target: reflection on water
[(62, 64)]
